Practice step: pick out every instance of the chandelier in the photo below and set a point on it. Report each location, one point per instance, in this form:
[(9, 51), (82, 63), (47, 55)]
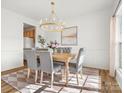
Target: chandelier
[(52, 23)]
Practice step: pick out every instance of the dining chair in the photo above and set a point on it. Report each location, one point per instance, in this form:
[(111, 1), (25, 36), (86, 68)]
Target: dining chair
[(32, 63), (58, 50), (76, 65), (24, 52), (47, 65), (64, 50), (67, 50)]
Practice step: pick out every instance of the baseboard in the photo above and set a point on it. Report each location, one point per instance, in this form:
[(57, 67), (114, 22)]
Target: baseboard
[(95, 68), (12, 70)]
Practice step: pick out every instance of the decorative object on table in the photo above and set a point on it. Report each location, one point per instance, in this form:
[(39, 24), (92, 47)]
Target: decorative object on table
[(53, 45), (52, 23), (69, 36), (41, 40)]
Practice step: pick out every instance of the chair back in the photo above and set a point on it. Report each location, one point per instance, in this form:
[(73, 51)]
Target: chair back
[(46, 61), (24, 52), (64, 50), (80, 59), (31, 58), (59, 50), (42, 49)]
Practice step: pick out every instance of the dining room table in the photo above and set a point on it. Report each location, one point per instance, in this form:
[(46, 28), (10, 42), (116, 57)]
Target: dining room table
[(64, 58)]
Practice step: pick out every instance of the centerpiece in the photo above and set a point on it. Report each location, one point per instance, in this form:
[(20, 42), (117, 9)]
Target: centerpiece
[(53, 45)]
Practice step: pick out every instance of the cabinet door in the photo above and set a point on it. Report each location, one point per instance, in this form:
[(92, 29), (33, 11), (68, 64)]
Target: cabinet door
[(30, 33)]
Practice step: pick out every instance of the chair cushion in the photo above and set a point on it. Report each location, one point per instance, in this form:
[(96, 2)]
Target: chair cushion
[(56, 67)]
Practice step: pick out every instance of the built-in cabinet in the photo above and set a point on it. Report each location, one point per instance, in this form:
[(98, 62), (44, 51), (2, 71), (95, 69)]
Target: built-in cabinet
[(29, 37), (30, 32)]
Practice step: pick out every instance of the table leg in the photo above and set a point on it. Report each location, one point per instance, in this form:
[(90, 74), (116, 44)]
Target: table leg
[(67, 72)]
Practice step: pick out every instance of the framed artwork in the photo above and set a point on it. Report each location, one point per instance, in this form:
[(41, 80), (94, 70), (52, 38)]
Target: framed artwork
[(69, 36)]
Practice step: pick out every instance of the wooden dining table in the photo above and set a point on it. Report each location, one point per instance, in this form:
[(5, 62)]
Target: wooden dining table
[(65, 58)]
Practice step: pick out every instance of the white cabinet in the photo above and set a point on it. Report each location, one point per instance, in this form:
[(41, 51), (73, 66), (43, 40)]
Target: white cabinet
[(28, 42)]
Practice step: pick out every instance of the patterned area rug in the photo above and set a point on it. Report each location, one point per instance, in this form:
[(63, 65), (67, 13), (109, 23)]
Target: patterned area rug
[(90, 83)]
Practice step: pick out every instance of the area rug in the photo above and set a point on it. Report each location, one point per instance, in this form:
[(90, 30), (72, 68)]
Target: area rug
[(90, 83)]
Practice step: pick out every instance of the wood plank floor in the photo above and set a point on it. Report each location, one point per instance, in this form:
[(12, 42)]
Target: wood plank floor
[(109, 85)]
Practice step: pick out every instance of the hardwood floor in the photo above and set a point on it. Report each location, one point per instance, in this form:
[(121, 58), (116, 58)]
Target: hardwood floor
[(5, 87), (109, 85)]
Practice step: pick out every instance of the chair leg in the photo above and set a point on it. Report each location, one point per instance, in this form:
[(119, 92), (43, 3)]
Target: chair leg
[(64, 71), (36, 73), (28, 72), (39, 71), (52, 78), (77, 78), (61, 73), (81, 73), (41, 79)]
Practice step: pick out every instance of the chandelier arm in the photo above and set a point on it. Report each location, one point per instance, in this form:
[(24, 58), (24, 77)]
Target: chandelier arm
[(52, 23)]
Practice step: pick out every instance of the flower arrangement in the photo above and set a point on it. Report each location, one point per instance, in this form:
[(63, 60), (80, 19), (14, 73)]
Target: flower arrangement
[(53, 45), (41, 40)]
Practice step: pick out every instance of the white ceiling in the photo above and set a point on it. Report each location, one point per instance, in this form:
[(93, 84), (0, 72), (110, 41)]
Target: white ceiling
[(28, 26), (38, 9)]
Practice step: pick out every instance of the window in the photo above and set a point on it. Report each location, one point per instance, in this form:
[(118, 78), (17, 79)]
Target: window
[(120, 42), (119, 32)]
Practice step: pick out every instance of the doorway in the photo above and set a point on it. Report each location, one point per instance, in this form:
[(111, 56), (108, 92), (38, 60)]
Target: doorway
[(29, 36), (29, 32)]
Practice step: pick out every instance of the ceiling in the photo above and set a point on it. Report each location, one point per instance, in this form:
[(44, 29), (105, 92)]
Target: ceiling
[(37, 9), (25, 25)]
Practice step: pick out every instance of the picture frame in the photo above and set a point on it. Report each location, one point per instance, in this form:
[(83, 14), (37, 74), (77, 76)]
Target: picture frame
[(69, 36)]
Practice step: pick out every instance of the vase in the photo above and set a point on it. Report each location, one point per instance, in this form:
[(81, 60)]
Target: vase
[(54, 50)]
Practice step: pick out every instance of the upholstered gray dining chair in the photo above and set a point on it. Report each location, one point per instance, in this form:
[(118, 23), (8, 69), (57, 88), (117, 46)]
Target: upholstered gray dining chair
[(32, 63), (77, 64), (64, 50), (47, 65)]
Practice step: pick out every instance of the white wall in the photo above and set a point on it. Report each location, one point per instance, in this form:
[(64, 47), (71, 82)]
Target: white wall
[(93, 34), (12, 39)]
